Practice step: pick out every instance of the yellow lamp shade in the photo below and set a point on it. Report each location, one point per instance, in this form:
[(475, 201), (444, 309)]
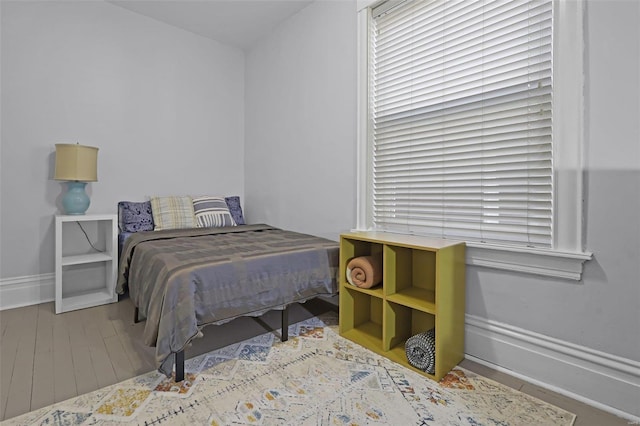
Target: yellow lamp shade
[(75, 162)]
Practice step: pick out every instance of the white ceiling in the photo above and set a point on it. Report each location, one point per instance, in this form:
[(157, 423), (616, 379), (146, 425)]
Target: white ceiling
[(239, 23)]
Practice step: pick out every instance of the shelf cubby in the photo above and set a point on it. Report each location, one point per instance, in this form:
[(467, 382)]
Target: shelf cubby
[(364, 325), (405, 322), (351, 248), (410, 277)]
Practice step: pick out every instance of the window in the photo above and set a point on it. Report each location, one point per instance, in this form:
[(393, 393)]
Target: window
[(456, 105)]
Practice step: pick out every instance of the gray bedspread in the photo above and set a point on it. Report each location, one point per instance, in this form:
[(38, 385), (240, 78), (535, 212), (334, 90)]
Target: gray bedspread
[(182, 280)]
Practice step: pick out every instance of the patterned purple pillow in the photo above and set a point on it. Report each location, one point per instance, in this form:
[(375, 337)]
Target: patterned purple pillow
[(135, 216), (235, 209)]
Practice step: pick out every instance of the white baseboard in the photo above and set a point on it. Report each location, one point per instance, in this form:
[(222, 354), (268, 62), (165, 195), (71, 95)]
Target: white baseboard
[(599, 379), (24, 291)]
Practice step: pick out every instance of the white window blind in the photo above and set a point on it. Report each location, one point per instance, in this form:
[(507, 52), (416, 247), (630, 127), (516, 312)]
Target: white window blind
[(461, 119)]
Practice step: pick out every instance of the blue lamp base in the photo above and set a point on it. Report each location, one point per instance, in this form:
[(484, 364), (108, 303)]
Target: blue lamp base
[(75, 201)]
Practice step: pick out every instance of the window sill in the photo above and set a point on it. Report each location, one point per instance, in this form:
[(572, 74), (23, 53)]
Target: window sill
[(549, 263)]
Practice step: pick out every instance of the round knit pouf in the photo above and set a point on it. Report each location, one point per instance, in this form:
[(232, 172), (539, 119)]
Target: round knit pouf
[(421, 351)]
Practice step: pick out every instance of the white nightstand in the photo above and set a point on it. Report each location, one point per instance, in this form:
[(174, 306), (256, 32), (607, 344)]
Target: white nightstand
[(86, 276)]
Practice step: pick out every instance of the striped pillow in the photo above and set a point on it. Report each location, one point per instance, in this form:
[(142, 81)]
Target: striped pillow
[(212, 212), (172, 212)]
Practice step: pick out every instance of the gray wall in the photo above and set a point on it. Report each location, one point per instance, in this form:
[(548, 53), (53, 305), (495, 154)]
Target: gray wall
[(300, 122), (300, 142), (603, 311), (165, 107)]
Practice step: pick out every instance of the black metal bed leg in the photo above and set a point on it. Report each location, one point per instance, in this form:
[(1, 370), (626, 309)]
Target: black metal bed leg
[(285, 324), (179, 356), (136, 317), (179, 366)]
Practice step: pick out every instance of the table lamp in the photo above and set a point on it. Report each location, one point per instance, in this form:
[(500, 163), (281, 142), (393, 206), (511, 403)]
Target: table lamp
[(77, 164)]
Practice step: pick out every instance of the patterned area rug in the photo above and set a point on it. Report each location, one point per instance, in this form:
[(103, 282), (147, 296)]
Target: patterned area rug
[(316, 378)]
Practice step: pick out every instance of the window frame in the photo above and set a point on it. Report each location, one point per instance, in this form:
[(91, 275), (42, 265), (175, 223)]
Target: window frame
[(566, 258)]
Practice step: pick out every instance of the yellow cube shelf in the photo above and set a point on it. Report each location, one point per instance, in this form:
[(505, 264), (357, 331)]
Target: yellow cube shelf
[(423, 287)]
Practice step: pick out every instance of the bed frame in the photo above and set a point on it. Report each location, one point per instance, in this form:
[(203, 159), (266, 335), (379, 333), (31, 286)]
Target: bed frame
[(179, 356)]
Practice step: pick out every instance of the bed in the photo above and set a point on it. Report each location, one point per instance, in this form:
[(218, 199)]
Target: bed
[(181, 280)]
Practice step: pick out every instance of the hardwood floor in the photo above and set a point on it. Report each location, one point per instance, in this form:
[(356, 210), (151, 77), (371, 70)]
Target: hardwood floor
[(47, 358)]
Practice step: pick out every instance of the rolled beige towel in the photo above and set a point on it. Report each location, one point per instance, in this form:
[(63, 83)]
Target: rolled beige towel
[(365, 271)]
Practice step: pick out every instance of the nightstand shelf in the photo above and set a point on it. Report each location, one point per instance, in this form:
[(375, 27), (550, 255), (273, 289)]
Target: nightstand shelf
[(87, 299), (79, 259), (85, 277), (423, 286)]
